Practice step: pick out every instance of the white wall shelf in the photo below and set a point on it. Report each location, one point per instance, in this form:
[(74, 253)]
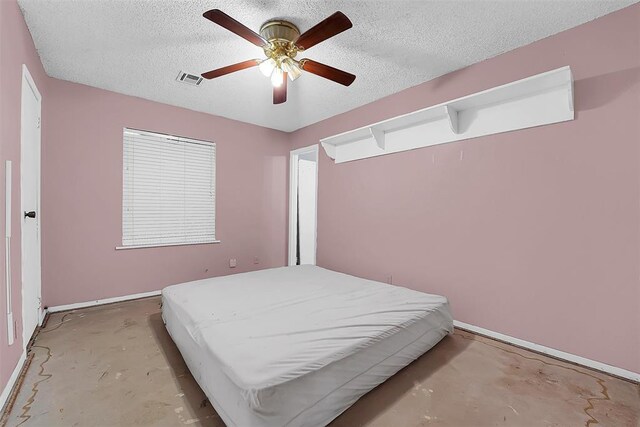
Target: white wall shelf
[(538, 100)]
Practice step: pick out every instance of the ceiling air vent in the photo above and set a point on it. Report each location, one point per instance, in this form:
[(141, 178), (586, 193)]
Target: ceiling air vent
[(189, 79)]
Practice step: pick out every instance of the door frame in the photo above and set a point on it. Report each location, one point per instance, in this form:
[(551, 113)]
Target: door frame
[(28, 80), (294, 155)]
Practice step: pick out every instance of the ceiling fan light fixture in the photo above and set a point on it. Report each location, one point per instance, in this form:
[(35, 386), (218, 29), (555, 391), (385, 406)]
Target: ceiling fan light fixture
[(277, 77), (291, 67), (267, 66)]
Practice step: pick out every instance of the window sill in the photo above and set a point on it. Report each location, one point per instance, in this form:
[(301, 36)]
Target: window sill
[(162, 245)]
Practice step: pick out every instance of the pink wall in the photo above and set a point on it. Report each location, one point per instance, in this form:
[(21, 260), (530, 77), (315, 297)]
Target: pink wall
[(82, 197), (535, 233), (16, 48)]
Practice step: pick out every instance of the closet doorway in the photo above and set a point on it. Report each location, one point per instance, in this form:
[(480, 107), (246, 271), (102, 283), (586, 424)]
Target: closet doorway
[(303, 200)]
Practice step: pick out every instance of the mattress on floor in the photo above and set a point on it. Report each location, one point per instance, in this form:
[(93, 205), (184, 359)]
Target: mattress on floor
[(296, 346)]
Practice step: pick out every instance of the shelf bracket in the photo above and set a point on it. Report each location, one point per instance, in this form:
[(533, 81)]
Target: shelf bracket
[(452, 115), (378, 136), (330, 149), (570, 93)]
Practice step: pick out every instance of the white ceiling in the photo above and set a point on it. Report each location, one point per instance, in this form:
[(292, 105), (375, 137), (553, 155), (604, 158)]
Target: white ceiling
[(137, 47)]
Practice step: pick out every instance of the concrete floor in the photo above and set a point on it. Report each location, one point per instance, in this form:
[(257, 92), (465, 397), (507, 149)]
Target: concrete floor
[(116, 365)]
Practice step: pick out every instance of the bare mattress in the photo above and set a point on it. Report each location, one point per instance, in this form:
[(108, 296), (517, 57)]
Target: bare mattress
[(296, 346)]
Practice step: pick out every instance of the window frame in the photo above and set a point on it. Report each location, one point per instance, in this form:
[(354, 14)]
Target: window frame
[(215, 170)]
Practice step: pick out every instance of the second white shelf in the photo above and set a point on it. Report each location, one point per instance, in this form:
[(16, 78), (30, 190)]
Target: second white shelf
[(534, 101)]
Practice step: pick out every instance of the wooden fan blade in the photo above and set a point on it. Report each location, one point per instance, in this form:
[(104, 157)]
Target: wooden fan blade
[(335, 24), (327, 72), (280, 92), (224, 20), (230, 69)]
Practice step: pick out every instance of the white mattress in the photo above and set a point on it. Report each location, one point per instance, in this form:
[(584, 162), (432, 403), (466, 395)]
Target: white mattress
[(296, 346)]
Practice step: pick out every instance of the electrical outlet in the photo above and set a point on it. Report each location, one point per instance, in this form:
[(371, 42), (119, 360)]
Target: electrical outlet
[(233, 263), (256, 260)]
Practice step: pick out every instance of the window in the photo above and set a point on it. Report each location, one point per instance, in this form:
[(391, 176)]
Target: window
[(169, 190)]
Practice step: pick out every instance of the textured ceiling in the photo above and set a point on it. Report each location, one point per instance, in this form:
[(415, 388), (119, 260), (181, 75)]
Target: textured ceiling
[(137, 47)]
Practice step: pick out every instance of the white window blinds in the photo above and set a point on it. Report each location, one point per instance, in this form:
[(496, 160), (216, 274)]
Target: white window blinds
[(169, 190)]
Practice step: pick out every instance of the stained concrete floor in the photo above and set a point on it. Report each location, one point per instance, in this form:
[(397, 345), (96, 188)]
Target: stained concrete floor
[(116, 365)]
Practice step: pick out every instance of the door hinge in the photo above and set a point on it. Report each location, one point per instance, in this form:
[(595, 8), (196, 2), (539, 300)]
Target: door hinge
[(38, 125), (39, 302)]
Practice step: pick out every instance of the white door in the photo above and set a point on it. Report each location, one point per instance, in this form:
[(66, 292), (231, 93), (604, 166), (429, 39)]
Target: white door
[(30, 197)]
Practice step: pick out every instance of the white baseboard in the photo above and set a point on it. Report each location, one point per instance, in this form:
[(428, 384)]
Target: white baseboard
[(623, 373), (77, 305), (12, 381)]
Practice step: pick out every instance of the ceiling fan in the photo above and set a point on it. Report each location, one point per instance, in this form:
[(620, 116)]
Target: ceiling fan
[(281, 42)]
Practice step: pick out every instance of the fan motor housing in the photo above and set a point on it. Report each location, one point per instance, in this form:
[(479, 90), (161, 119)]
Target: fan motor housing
[(279, 31)]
